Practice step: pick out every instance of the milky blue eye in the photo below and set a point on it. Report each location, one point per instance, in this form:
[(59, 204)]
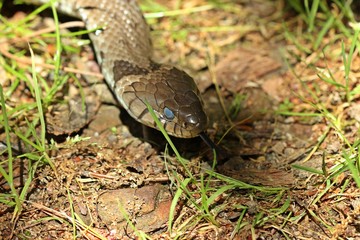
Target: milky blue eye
[(169, 115)]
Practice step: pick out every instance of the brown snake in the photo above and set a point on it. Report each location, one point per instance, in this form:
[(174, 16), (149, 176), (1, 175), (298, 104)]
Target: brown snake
[(123, 49)]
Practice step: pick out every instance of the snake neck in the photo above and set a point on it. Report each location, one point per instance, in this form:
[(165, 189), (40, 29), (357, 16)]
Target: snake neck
[(121, 35)]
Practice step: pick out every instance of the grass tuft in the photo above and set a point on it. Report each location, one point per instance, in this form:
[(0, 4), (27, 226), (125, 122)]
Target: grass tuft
[(209, 188)]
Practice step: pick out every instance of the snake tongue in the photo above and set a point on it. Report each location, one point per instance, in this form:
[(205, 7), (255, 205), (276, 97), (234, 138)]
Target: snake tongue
[(219, 151)]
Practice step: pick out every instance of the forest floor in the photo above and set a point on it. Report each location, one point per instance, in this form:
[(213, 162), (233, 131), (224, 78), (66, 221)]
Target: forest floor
[(280, 84)]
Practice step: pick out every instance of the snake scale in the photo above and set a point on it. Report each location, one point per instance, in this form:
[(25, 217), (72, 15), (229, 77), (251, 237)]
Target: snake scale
[(123, 49)]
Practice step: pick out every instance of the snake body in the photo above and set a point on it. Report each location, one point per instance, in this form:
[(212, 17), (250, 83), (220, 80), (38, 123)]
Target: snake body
[(123, 50)]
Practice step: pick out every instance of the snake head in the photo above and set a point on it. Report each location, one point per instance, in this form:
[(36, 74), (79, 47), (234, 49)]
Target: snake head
[(172, 94)]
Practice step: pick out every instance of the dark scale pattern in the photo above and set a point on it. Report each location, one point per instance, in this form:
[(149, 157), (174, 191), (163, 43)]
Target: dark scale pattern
[(123, 68)]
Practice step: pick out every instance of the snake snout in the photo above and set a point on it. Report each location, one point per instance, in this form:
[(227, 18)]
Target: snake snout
[(196, 122), (193, 120)]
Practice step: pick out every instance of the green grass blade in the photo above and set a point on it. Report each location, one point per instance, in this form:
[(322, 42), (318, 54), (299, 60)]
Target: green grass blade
[(174, 202), (307, 169), (312, 13), (325, 29), (163, 131), (9, 175), (355, 173), (37, 89), (348, 60)]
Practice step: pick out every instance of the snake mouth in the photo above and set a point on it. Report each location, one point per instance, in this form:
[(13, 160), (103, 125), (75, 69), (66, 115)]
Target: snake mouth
[(185, 130)]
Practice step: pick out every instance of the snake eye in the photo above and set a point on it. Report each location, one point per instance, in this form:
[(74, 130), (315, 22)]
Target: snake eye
[(169, 115)]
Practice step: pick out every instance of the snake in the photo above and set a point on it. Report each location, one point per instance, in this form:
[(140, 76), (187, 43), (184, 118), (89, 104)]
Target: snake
[(121, 39)]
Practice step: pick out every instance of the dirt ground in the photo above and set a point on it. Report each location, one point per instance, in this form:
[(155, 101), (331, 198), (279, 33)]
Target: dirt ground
[(246, 65)]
